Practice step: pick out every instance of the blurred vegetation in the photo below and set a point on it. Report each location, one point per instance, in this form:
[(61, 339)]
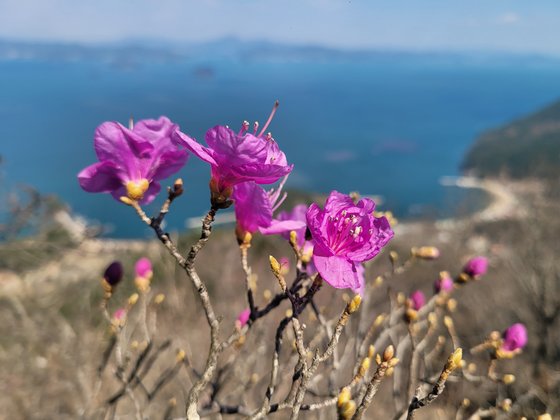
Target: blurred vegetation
[(527, 147)]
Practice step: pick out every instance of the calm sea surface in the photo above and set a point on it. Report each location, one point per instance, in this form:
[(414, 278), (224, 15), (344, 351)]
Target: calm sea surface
[(376, 126)]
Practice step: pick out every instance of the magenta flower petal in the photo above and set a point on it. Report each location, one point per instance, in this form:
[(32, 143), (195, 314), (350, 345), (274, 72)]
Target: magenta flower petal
[(100, 177), (281, 226), (196, 148), (361, 273), (111, 139), (515, 337), (337, 271), (252, 207), (166, 164), (155, 130), (298, 213)]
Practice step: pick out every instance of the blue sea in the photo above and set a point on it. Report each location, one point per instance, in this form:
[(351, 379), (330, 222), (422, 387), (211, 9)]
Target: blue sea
[(383, 124)]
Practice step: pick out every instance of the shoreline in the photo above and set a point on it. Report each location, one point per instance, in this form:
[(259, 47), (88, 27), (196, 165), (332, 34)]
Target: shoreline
[(504, 202)]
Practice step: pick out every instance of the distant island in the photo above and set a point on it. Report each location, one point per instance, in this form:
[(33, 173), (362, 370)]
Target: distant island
[(527, 147)]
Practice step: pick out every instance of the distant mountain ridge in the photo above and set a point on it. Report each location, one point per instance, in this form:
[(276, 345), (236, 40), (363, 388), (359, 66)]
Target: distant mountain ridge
[(527, 147), (162, 51)]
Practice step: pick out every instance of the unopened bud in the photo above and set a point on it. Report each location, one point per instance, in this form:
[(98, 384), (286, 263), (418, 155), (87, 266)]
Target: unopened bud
[(411, 315), (378, 358), (379, 320), (393, 362), (466, 402), (178, 187), (142, 284), (509, 379), (293, 238), (371, 351), (393, 256), (378, 281), (180, 356), (471, 368), (274, 265), (159, 298), (289, 313), (364, 366), (544, 416), (432, 319), (451, 305), (113, 273), (347, 410), (389, 353), (454, 360), (426, 252), (389, 372), (448, 321), (267, 294), (506, 405), (344, 396), (354, 304), (133, 299)]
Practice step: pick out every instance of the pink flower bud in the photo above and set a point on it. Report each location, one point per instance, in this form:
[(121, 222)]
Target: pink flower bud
[(243, 317), (515, 337), (444, 283), (418, 300), (476, 266), (119, 314), (114, 273), (143, 268)]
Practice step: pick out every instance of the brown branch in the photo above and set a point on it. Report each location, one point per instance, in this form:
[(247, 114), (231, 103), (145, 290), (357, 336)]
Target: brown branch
[(453, 362)]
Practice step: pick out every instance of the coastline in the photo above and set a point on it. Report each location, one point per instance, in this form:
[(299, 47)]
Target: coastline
[(504, 201)]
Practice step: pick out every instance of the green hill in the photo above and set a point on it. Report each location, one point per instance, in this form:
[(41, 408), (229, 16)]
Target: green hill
[(528, 147)]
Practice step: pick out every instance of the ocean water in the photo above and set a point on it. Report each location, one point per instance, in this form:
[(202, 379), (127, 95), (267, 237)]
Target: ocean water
[(379, 126)]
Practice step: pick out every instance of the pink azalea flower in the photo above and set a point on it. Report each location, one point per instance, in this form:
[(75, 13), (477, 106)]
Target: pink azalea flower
[(418, 300), (243, 317), (132, 161), (515, 337), (444, 283), (476, 266), (345, 234), (238, 157), (254, 208), (143, 268)]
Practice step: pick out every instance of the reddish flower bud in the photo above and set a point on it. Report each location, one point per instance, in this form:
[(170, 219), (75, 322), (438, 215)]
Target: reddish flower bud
[(417, 299), (515, 337), (114, 273), (476, 266)]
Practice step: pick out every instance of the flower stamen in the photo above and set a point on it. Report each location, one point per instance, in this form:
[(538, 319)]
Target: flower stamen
[(274, 108)]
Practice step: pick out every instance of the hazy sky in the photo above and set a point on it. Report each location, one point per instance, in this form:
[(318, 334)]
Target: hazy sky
[(511, 25)]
